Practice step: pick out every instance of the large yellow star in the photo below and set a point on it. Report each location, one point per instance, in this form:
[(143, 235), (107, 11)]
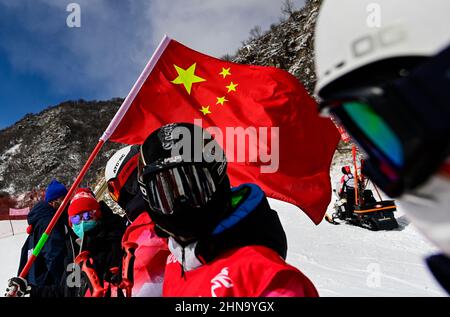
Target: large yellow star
[(231, 87), (187, 77), (205, 110), (225, 72), (221, 100)]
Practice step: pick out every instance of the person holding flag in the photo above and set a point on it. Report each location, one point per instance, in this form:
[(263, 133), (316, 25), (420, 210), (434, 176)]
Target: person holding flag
[(225, 242)]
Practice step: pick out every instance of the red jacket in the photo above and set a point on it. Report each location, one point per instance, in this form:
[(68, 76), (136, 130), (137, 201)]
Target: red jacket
[(150, 256), (252, 271)]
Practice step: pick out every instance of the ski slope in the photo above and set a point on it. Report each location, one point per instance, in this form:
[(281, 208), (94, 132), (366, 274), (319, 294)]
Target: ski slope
[(341, 260), (344, 260), (10, 247)]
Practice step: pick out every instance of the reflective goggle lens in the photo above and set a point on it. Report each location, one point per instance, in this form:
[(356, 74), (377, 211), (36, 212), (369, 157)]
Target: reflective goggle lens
[(85, 216), (114, 189), (193, 184), (376, 130)]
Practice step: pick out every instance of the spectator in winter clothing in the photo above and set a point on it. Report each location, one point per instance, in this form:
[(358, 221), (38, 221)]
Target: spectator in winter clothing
[(347, 190), (99, 232), (143, 271), (48, 267), (223, 241), (92, 265), (347, 181)]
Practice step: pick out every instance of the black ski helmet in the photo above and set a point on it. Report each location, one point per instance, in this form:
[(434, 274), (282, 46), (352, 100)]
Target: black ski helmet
[(182, 176)]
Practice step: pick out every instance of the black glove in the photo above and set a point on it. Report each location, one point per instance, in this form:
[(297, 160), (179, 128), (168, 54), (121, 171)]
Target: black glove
[(113, 276), (17, 287)]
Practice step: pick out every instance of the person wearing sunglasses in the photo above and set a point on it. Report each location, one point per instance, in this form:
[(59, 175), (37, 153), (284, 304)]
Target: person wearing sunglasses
[(223, 241), (99, 233), (84, 212), (383, 71), (145, 253)]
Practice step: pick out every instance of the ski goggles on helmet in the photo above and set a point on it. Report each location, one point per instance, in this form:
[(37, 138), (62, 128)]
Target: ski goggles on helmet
[(403, 125), (163, 188), (83, 216), (116, 186)]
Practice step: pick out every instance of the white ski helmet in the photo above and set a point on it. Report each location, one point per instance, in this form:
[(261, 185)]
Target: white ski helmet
[(116, 162), (119, 170), (354, 33)]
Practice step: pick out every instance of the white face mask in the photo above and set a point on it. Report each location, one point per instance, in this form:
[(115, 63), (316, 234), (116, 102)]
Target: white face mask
[(428, 207)]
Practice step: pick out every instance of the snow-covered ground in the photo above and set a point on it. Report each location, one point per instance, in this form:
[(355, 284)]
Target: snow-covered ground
[(345, 260), (341, 260), (10, 247)]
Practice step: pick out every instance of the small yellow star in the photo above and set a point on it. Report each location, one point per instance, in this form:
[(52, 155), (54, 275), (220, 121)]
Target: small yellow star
[(225, 72), (221, 100), (231, 87), (187, 77), (205, 110)]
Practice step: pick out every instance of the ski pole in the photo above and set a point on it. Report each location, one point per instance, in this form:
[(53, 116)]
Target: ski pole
[(376, 188), (43, 239), (355, 177)]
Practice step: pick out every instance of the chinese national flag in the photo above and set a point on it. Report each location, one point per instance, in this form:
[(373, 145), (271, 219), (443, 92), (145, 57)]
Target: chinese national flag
[(184, 85)]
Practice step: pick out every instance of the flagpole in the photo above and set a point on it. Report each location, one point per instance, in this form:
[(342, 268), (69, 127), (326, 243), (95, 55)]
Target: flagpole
[(136, 88), (105, 137)]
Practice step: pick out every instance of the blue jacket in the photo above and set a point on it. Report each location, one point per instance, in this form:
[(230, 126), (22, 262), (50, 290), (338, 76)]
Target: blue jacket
[(49, 265)]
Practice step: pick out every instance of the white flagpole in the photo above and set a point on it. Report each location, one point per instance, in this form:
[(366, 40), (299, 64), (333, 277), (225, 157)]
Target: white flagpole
[(136, 88)]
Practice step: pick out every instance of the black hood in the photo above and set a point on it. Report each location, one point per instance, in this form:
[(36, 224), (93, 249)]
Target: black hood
[(41, 211)]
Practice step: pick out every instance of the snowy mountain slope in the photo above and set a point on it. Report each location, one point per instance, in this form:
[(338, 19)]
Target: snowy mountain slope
[(338, 259), (54, 143)]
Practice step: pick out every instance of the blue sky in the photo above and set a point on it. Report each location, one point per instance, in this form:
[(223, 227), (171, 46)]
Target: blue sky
[(44, 62)]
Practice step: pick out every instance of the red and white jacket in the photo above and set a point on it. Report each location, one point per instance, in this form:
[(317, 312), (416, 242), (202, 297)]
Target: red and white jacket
[(251, 271), (150, 257)]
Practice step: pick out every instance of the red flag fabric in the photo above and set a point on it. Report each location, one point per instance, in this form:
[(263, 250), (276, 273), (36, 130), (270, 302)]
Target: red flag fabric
[(267, 103)]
